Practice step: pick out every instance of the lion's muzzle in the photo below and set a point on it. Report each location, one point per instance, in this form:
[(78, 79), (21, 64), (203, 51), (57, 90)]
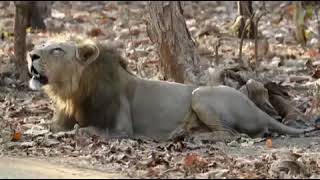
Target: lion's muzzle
[(37, 79)]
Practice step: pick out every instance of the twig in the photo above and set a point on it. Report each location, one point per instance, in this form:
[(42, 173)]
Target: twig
[(318, 22), (242, 37), (264, 6), (217, 52), (256, 38)]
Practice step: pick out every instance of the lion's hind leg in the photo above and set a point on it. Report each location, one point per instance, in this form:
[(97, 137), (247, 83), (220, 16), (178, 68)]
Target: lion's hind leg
[(210, 118)]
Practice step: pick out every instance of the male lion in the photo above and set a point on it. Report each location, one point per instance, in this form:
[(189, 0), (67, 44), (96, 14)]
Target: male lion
[(91, 86)]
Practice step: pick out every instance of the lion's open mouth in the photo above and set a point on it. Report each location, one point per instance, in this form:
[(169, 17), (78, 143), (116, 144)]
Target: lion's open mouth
[(37, 76)]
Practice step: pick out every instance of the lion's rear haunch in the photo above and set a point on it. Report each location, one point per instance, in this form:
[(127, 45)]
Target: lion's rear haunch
[(90, 85)]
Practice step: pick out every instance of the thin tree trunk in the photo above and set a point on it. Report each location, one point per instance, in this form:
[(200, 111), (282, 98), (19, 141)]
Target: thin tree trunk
[(28, 14), (245, 10), (298, 18), (167, 29), (40, 11), (23, 9)]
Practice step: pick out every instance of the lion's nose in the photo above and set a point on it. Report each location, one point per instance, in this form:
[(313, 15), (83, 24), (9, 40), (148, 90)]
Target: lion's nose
[(34, 57)]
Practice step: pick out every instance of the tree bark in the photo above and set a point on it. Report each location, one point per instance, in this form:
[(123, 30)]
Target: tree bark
[(245, 10), (23, 9), (167, 29), (28, 14), (40, 11), (298, 18)]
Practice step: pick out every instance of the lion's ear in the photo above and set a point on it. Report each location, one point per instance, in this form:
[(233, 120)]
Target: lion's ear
[(87, 53)]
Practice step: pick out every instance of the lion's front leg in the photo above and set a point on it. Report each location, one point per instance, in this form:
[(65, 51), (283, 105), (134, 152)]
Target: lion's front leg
[(61, 122), (179, 133), (123, 127), (90, 131)]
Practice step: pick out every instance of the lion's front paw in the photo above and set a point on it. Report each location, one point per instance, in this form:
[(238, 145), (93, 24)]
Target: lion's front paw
[(118, 135), (178, 133), (91, 131)]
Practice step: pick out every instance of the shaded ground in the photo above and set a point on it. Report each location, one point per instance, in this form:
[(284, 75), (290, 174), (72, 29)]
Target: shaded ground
[(22, 111), (31, 168)]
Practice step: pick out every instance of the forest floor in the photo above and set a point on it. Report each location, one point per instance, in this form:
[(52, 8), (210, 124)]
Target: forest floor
[(22, 111)]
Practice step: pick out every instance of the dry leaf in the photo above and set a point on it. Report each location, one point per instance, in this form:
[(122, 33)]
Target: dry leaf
[(286, 166), (269, 143), (194, 159), (152, 172), (111, 6), (316, 63), (316, 73), (57, 14), (191, 159), (34, 131), (308, 64), (28, 144), (134, 32), (16, 136), (94, 32), (312, 52)]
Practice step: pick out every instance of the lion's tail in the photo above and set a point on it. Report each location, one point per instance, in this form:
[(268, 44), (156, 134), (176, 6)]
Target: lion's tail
[(276, 126)]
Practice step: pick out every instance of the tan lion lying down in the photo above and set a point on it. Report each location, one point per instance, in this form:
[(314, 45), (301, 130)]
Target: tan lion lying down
[(91, 86)]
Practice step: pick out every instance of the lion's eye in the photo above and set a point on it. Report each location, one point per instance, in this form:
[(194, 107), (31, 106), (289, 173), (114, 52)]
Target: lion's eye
[(57, 51)]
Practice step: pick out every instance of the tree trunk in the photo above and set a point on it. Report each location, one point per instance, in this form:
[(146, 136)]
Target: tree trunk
[(245, 10), (23, 9), (298, 18), (40, 11), (167, 29), (28, 14)]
